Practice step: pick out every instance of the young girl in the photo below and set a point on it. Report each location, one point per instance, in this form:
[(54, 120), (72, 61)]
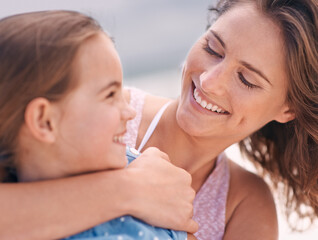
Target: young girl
[(62, 111)]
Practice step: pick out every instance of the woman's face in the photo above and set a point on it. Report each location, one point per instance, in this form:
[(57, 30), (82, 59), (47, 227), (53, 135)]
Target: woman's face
[(234, 80), (93, 116)]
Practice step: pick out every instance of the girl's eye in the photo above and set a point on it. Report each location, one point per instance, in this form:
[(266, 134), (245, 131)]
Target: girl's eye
[(245, 82), (111, 94)]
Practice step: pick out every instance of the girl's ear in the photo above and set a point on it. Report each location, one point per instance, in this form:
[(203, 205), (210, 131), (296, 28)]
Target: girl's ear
[(39, 120), (286, 115)]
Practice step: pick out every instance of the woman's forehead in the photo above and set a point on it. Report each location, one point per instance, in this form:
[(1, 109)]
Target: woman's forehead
[(252, 38)]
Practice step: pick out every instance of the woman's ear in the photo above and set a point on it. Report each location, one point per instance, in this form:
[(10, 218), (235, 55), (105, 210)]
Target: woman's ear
[(286, 115), (39, 119)]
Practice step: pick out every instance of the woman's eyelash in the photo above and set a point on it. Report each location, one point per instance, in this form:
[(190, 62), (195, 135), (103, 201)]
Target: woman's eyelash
[(245, 82), (212, 52)]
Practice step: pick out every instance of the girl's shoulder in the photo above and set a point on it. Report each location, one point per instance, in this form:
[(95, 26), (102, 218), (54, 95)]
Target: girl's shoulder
[(250, 207)]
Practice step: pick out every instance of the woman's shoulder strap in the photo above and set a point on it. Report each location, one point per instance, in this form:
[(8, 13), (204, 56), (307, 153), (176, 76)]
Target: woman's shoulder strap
[(153, 126)]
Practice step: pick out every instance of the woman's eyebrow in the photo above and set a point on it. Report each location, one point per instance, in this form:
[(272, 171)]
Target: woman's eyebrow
[(217, 36), (253, 69), (245, 64)]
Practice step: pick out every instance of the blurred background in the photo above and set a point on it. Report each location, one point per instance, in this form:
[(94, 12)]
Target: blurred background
[(152, 38)]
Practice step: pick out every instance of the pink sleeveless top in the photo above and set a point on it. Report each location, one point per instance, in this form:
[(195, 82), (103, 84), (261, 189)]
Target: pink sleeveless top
[(210, 201)]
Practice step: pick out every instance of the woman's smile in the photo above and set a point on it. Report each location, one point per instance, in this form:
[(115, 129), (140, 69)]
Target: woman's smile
[(204, 104)]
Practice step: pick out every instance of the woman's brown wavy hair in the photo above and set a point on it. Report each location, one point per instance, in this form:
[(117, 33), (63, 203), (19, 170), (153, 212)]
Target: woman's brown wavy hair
[(288, 153), (36, 54)]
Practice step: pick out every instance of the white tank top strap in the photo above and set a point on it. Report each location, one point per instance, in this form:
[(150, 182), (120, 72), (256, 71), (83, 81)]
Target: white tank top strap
[(153, 126)]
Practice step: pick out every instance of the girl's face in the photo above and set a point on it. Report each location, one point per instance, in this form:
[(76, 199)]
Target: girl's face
[(234, 79), (93, 116)]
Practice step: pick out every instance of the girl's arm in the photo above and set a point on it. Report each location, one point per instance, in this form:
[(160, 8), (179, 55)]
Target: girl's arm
[(58, 208)]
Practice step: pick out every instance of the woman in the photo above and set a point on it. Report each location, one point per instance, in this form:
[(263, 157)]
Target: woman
[(251, 78), (239, 80)]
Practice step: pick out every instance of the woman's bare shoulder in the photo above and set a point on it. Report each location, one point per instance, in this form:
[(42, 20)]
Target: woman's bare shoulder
[(152, 105), (251, 211), (150, 99)]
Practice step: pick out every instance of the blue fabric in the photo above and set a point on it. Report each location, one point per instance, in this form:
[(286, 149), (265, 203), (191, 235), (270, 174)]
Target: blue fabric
[(128, 227), (131, 154)]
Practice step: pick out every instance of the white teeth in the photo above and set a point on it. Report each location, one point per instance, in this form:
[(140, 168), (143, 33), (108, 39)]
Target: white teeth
[(209, 106), (205, 104), (196, 94), (118, 139), (214, 108)]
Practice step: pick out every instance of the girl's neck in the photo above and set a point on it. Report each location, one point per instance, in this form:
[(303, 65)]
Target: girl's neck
[(30, 170), (36, 161)]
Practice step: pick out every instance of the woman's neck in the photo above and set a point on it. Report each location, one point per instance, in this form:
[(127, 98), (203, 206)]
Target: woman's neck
[(193, 154)]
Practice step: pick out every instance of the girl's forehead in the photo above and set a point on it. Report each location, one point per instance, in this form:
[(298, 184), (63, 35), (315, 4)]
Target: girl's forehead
[(97, 62)]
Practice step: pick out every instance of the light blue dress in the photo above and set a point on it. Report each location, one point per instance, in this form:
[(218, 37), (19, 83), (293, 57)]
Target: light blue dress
[(128, 227)]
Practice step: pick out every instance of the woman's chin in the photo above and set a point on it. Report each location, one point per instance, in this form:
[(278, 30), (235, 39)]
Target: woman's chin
[(189, 126)]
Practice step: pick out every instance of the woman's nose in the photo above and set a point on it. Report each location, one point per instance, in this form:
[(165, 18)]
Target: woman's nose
[(214, 80)]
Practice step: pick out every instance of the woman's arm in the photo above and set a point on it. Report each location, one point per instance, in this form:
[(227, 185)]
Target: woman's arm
[(253, 212), (54, 209), (58, 208)]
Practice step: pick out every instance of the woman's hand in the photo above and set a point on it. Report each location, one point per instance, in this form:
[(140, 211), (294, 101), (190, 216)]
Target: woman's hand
[(191, 237), (160, 193)]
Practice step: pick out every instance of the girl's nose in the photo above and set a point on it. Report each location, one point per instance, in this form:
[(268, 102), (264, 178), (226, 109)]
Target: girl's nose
[(127, 112)]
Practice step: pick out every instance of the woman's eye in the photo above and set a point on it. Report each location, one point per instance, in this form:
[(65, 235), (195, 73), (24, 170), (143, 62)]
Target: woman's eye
[(245, 82), (208, 49)]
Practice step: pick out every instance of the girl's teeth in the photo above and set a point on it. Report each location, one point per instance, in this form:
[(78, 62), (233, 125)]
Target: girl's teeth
[(199, 99), (118, 139)]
